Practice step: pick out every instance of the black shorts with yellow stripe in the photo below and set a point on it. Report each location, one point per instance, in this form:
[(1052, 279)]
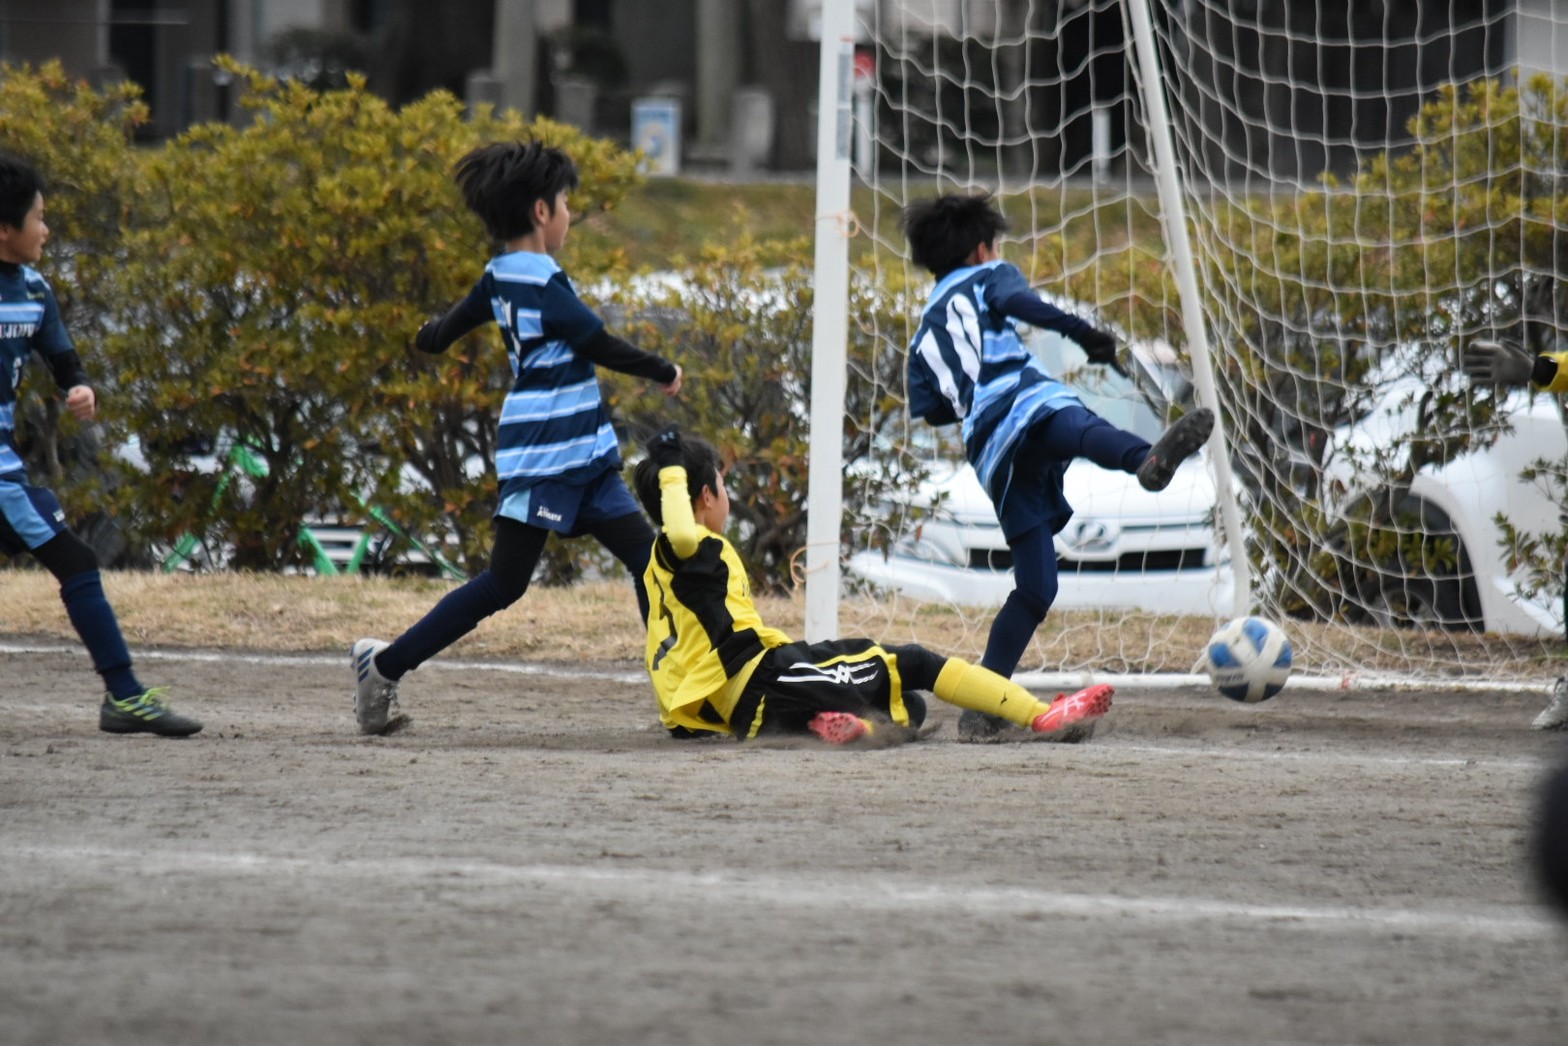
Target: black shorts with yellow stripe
[(792, 683)]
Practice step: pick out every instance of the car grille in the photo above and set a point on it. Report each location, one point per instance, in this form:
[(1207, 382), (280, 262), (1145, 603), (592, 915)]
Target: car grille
[(1001, 559)]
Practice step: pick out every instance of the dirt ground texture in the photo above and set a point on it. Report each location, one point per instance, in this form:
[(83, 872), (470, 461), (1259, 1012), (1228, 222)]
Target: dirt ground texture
[(533, 861)]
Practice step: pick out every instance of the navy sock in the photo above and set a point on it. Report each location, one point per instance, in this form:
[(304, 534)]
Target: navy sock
[(94, 621), (457, 614)]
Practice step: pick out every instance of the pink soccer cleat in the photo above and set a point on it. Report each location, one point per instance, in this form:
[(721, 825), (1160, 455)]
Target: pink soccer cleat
[(1087, 704), (839, 728)]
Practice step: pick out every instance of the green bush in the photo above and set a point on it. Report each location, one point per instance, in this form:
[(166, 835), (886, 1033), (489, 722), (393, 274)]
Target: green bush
[(741, 329), (275, 274)]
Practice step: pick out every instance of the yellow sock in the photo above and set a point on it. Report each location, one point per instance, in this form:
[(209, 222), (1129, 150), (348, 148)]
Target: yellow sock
[(979, 688)]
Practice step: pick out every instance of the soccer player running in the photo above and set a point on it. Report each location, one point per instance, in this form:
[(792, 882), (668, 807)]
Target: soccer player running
[(717, 669), (31, 519), (557, 458), (1021, 427)]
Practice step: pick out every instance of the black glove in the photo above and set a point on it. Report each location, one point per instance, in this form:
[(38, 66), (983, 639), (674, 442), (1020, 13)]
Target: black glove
[(665, 448), (1496, 363), (1099, 346)]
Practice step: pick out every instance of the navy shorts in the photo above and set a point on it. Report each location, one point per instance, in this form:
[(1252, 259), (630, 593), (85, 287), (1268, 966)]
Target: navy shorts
[(29, 515), (792, 683), (566, 508)]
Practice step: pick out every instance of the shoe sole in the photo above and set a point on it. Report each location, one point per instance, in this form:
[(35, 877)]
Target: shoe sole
[(1087, 704), (139, 727), (838, 728), (1189, 433)]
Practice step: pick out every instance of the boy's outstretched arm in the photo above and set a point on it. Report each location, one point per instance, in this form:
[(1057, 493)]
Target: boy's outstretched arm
[(1499, 363), (679, 523), (70, 377), (1010, 295), (438, 334), (604, 349)]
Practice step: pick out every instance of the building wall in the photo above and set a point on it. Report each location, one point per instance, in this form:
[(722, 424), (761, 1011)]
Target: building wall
[(1540, 37), (75, 31)]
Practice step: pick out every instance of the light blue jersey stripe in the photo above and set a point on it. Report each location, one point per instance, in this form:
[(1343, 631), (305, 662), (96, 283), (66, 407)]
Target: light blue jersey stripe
[(552, 459), (520, 277), (21, 311), (529, 323), (550, 354), (523, 267), (544, 404), (19, 510), (1029, 404)]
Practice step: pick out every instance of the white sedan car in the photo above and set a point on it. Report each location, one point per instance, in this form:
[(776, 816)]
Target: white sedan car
[(1124, 547), (1459, 499)]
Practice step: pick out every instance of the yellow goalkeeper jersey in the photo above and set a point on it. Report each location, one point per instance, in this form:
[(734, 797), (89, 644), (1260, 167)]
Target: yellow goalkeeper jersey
[(705, 636), (1559, 378)]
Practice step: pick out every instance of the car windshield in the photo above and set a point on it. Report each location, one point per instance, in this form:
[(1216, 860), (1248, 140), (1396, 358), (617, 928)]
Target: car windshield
[(1109, 394)]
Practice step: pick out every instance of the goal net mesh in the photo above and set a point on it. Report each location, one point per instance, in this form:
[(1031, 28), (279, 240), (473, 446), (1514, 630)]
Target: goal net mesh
[(1368, 189)]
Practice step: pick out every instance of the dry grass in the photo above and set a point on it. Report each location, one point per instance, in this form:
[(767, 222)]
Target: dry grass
[(598, 622), (595, 621)]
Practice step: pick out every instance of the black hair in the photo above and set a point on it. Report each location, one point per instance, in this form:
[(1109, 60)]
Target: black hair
[(944, 232), (702, 463), (501, 182), (19, 188)]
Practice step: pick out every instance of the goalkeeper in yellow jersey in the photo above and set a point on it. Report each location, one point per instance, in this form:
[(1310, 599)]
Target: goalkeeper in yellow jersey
[(717, 669), (1506, 364)]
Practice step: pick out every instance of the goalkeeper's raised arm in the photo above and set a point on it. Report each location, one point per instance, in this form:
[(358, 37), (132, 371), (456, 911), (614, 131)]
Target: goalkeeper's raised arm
[(1489, 362)]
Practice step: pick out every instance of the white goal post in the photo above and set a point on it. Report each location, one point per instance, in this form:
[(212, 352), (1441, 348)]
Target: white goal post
[(1303, 215)]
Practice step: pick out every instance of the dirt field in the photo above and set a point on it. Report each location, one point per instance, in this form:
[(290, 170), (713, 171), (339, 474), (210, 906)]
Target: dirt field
[(534, 862)]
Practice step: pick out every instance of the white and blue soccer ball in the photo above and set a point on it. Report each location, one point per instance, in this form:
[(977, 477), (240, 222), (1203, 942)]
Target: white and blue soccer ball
[(1248, 659)]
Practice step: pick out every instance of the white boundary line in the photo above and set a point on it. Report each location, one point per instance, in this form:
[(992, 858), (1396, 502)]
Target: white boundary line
[(1351, 681), (1532, 764), (522, 668), (863, 893)]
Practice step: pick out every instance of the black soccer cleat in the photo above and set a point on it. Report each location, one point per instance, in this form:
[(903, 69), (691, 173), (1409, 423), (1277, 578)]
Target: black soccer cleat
[(146, 713), (1180, 442)]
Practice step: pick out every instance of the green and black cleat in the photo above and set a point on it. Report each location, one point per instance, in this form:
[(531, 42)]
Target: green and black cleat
[(146, 713)]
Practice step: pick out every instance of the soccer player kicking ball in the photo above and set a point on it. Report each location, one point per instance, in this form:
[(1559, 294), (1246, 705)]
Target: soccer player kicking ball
[(556, 452), (31, 519), (717, 669), (1021, 427)]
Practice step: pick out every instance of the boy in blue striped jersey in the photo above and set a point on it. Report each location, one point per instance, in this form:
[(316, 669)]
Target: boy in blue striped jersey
[(31, 519), (557, 458), (1021, 427)]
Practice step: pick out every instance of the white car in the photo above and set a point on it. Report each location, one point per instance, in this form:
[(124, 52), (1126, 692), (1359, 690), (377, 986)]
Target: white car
[(1124, 547), (1460, 498)]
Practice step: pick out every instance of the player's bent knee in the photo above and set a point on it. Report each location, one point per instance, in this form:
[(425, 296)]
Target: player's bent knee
[(1030, 603)]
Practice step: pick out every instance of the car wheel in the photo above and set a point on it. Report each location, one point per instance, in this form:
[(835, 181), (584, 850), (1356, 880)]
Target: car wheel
[(1413, 597), (1432, 604)]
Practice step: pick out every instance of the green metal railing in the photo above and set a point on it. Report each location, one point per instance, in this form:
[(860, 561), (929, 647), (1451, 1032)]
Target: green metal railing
[(241, 460)]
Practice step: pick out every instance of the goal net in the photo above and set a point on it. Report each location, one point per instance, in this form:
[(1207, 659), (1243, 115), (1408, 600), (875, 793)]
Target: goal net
[(1362, 191)]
